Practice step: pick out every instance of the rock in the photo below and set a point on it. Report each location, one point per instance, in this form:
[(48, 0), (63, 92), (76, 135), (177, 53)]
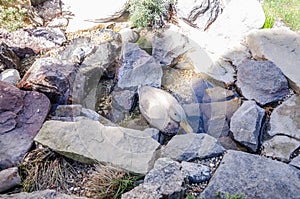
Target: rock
[(246, 125), (262, 81), (217, 94), (200, 13), (280, 147), (138, 68), (73, 110), (80, 19), (32, 41), (9, 178), (8, 59), (123, 100), (129, 35), (258, 177), (164, 180), (49, 194), (58, 23), (168, 45), (37, 2), (52, 77), (162, 110), (296, 162), (285, 119), (274, 44), (199, 88), (88, 141), (21, 116), (93, 115), (190, 146), (194, 117), (217, 115), (10, 76), (50, 10), (194, 172)]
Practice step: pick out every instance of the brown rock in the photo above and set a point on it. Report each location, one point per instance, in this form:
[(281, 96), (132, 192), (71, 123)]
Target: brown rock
[(8, 59), (21, 116)]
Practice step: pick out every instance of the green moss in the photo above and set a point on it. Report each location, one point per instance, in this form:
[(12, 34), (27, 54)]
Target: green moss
[(11, 17)]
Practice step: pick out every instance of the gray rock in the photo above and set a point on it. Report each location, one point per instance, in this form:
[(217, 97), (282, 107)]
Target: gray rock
[(123, 100), (254, 176), (296, 162), (168, 45), (246, 125), (37, 2), (164, 180), (274, 44), (194, 117), (21, 116), (217, 94), (138, 68), (93, 115), (49, 194), (89, 141), (190, 146), (129, 35), (50, 10), (280, 147), (54, 35), (285, 119), (51, 76), (262, 81), (58, 23), (9, 178), (9, 60), (73, 110), (194, 172), (10, 76), (200, 13)]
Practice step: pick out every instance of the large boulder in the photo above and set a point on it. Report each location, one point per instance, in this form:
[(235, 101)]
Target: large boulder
[(190, 146), (281, 46), (254, 176), (285, 119), (262, 81), (246, 125), (138, 68), (21, 117), (89, 141)]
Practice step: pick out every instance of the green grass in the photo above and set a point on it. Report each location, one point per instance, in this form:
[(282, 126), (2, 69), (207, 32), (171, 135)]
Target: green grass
[(286, 10)]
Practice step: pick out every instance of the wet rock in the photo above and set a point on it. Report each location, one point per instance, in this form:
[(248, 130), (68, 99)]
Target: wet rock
[(52, 77), (199, 88), (49, 194), (262, 81), (8, 59), (280, 147), (10, 76), (21, 116), (138, 68), (296, 162), (190, 146), (274, 44), (200, 14), (258, 177), (194, 172), (246, 125), (165, 180), (9, 178), (32, 41), (88, 141), (285, 119), (194, 117)]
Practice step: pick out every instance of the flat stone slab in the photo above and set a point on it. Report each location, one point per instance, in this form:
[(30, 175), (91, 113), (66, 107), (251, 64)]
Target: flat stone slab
[(254, 176), (281, 46), (88, 141)]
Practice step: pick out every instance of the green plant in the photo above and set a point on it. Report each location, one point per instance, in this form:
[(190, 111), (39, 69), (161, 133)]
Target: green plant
[(11, 16), (190, 196), (147, 13), (226, 195)]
